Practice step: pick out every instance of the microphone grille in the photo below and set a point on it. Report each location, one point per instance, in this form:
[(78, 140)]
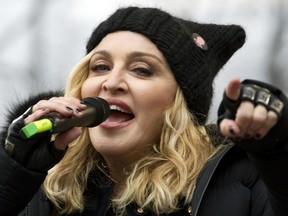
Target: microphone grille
[(101, 108)]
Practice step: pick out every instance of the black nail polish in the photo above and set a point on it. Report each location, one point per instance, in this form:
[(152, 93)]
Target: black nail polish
[(78, 110), (69, 109), (231, 130)]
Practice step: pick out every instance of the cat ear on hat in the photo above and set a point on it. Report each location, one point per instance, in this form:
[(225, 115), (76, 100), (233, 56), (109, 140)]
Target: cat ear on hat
[(220, 41)]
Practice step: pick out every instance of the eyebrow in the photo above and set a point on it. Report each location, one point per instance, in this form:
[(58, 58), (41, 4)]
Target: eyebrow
[(131, 55), (143, 54)]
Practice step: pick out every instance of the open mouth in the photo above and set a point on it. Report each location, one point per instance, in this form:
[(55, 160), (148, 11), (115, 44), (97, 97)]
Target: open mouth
[(118, 114)]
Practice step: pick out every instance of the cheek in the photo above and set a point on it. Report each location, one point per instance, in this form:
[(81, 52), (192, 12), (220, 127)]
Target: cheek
[(90, 87), (157, 100), (153, 105)]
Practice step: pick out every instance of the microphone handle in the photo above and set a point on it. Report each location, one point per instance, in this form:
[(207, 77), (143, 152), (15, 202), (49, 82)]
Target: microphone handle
[(62, 124)]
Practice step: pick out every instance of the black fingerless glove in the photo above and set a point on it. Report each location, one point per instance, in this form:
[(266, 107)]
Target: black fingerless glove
[(273, 99), (37, 153)]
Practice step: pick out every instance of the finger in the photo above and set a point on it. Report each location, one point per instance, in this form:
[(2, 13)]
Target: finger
[(36, 115), (229, 128), (233, 89), (244, 116), (71, 102), (270, 122), (258, 120), (65, 106)]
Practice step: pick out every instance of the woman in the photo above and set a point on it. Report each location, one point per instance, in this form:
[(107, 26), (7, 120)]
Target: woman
[(154, 155)]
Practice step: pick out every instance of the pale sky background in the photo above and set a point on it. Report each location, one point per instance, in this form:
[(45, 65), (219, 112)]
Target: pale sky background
[(41, 41)]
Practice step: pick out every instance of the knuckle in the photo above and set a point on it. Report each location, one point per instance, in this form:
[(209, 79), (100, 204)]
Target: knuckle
[(259, 119), (55, 98), (272, 115), (244, 115), (40, 104)]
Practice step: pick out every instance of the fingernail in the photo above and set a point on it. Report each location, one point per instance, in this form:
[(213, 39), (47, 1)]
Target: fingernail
[(231, 130), (83, 104), (69, 109), (78, 110)]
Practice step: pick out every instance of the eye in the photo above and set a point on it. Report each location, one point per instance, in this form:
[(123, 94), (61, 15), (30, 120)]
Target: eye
[(143, 71), (100, 68)]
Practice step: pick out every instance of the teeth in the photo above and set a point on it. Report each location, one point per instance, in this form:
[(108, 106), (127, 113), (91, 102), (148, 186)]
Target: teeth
[(115, 107)]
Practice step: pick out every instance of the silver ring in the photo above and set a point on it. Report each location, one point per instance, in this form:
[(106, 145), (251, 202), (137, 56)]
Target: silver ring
[(248, 93), (277, 106), (263, 97)]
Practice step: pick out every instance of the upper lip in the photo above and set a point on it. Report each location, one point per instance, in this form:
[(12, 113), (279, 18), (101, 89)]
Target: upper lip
[(116, 104)]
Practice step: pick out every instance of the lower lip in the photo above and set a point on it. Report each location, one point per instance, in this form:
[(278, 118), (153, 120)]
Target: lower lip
[(115, 125)]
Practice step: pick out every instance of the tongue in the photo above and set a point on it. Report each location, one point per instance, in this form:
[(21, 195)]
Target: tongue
[(117, 116)]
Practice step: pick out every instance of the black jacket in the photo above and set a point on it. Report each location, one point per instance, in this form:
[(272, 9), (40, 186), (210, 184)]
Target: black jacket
[(233, 183)]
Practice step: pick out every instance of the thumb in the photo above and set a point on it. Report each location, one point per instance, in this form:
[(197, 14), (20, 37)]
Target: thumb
[(232, 91)]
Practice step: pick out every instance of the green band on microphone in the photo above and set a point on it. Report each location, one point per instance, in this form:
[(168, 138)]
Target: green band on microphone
[(36, 127)]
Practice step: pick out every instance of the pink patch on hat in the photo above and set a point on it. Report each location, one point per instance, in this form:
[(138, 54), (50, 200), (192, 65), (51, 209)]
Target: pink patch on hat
[(199, 41)]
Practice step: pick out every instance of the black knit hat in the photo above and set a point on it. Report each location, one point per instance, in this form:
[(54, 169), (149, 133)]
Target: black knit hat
[(195, 52)]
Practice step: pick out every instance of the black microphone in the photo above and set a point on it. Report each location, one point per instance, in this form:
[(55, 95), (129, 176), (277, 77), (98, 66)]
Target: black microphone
[(96, 112)]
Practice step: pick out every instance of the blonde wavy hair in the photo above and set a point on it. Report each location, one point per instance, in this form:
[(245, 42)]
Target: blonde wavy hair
[(157, 182)]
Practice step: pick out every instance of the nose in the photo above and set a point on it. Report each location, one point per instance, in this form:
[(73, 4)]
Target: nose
[(115, 82)]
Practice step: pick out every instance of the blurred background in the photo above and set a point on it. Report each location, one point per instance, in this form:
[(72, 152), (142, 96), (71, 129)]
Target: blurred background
[(41, 40)]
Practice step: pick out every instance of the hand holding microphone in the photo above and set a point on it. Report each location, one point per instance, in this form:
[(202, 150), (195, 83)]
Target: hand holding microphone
[(96, 112), (30, 144)]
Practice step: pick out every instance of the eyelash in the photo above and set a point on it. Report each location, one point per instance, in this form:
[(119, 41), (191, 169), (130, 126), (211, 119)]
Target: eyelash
[(100, 68), (139, 70), (142, 71)]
